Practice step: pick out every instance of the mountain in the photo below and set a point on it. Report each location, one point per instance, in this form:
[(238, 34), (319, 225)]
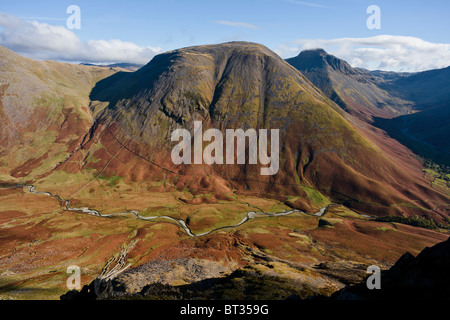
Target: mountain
[(44, 111), (245, 85), (87, 180), (399, 103), (417, 87), (357, 91), (227, 86), (122, 65), (425, 130)]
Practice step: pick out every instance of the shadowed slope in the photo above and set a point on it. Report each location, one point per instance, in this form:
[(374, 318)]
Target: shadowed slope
[(388, 100), (355, 90), (245, 85)]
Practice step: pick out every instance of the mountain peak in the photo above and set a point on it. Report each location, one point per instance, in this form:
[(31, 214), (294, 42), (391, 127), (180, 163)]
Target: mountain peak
[(208, 66), (319, 51), (354, 89), (313, 59), (227, 48)]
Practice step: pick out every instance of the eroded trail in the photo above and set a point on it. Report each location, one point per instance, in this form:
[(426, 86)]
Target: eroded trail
[(248, 216)]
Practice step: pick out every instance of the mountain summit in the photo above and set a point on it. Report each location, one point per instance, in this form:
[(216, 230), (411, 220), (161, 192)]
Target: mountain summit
[(399, 103), (354, 90), (323, 155), (87, 176), (246, 85), (319, 59)]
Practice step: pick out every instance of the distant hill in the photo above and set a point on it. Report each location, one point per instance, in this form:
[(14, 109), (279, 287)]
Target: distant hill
[(418, 86), (124, 65), (355, 90), (427, 130), (44, 111), (399, 103)]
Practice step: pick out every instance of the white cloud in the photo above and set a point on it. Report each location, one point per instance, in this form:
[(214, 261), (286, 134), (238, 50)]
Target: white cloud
[(385, 52), (44, 41), (238, 24)]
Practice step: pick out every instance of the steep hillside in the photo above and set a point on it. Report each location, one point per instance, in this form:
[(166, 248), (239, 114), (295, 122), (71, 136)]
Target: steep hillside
[(417, 87), (245, 85), (87, 179), (44, 112), (323, 156), (357, 91), (399, 103), (426, 130), (423, 277)]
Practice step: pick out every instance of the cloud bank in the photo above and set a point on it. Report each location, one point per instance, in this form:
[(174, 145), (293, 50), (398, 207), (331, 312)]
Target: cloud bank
[(44, 41), (40, 41), (383, 52)]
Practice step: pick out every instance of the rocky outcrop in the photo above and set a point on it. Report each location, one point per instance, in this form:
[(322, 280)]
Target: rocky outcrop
[(194, 279), (160, 273), (425, 277)]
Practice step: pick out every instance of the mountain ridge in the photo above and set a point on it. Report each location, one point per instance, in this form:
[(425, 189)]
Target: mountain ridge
[(201, 80), (89, 181), (355, 90), (242, 85), (397, 102)]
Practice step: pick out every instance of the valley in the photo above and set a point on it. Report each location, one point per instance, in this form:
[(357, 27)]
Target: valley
[(87, 178)]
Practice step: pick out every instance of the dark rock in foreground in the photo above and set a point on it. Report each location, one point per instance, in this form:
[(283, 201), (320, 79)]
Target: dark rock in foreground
[(425, 277), (267, 280)]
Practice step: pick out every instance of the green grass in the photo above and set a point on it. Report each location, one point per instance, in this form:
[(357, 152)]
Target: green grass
[(414, 221), (111, 181), (315, 196), (385, 229)]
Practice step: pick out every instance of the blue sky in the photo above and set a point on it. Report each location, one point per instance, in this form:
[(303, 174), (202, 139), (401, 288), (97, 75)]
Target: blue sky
[(411, 31)]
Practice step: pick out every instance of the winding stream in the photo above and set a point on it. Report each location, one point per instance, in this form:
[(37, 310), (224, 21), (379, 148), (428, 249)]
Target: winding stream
[(249, 215)]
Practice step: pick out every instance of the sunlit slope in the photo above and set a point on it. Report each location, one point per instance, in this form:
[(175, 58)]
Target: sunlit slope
[(44, 112), (355, 90), (245, 85)]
